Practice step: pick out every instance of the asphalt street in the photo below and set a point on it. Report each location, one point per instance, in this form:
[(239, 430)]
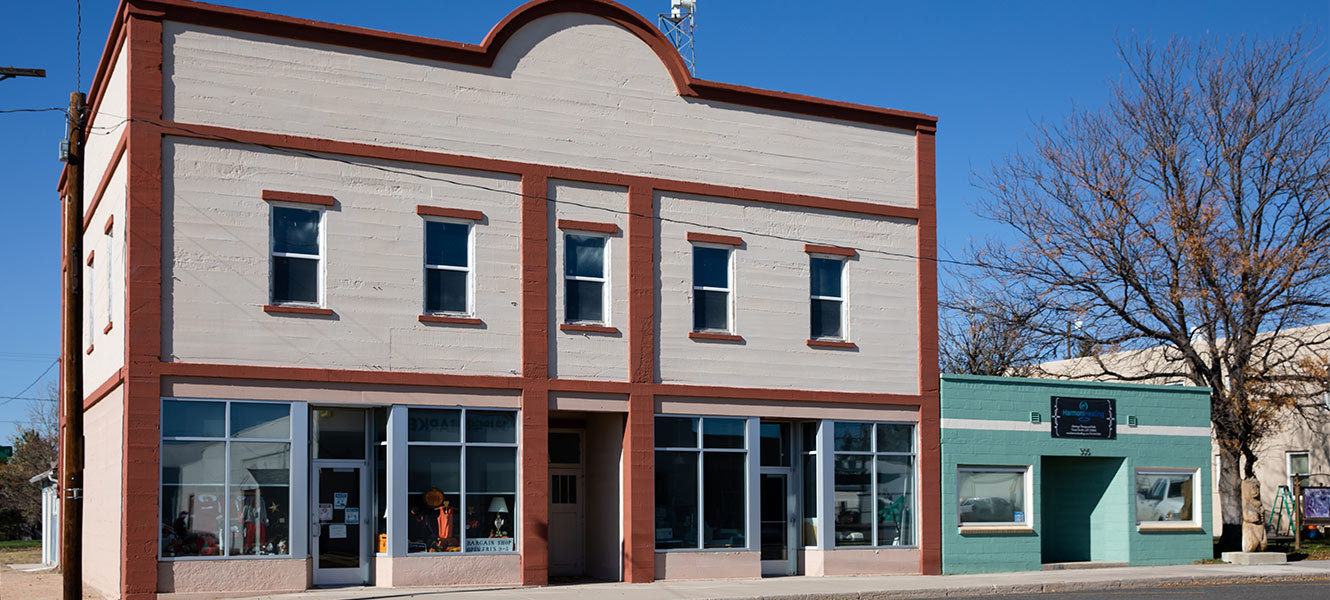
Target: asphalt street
[(1284, 590)]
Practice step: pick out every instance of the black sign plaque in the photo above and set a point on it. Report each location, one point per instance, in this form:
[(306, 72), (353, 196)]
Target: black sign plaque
[(1084, 418)]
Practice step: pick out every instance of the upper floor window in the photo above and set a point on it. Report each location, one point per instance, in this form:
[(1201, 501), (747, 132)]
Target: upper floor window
[(712, 300), (297, 254), (448, 281), (827, 297), (585, 280)]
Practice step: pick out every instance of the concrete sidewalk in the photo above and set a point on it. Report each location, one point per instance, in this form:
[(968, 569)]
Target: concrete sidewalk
[(838, 588)]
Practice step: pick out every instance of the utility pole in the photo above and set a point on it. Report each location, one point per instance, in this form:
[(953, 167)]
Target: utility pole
[(7, 72), (71, 402)]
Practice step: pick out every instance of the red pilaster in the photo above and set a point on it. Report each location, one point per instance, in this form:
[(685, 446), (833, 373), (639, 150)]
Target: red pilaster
[(535, 375), (143, 306), (639, 492), (930, 454)]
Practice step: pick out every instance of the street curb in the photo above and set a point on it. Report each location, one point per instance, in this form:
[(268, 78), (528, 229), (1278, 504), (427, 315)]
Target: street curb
[(1041, 588)]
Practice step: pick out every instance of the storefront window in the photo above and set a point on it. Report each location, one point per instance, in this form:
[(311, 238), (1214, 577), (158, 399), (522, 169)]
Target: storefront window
[(874, 484), (1164, 495), (700, 487), (461, 489), (991, 495), (808, 478), (225, 495)]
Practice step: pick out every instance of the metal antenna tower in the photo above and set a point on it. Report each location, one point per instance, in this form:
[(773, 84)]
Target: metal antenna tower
[(679, 26)]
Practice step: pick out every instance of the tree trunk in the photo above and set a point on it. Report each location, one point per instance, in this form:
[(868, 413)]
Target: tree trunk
[(1230, 500)]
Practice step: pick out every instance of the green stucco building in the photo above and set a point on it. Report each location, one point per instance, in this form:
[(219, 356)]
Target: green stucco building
[(1038, 472)]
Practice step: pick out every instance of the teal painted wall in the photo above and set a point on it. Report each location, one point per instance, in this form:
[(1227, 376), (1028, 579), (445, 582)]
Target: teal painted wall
[(1074, 495)]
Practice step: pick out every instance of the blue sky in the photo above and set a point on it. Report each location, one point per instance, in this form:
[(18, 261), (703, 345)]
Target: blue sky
[(987, 69)]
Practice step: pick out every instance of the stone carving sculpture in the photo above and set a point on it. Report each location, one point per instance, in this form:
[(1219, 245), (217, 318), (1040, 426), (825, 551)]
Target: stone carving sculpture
[(1253, 522)]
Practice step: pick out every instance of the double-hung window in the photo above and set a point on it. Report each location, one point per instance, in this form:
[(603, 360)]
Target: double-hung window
[(297, 255), (226, 478), (827, 298), (712, 297), (586, 285), (448, 279), (461, 480), (110, 275), (701, 482), (874, 479), (988, 496), (1297, 464)]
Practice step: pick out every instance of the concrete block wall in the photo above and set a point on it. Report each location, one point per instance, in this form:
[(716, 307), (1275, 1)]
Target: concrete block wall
[(1005, 404)]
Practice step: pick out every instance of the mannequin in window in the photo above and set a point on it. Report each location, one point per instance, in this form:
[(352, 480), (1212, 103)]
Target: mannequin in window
[(447, 525)]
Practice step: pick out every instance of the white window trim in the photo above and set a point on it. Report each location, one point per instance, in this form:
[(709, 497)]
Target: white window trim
[(605, 312), (110, 277), (843, 298), (469, 269), (323, 244), (1028, 489), (1196, 501), (1288, 465), (399, 472), (827, 462), (730, 313), (90, 306), (297, 481), (752, 473)]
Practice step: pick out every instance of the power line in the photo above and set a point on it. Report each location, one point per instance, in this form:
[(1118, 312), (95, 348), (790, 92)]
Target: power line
[(30, 110), (19, 395)]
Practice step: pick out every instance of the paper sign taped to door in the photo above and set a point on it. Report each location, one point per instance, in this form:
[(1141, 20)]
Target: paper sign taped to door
[(336, 532), (325, 511), (352, 516), (339, 500)]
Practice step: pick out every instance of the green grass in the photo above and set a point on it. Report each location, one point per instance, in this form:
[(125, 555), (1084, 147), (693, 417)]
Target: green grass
[(19, 544), (1317, 549)]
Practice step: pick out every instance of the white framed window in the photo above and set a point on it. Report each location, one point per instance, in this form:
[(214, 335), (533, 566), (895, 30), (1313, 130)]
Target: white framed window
[(874, 481), (89, 300), (461, 475), (713, 298), (702, 482), (296, 260), (1297, 463), (110, 274), (449, 278), (994, 496), (1167, 496), (226, 470), (827, 298), (586, 286)]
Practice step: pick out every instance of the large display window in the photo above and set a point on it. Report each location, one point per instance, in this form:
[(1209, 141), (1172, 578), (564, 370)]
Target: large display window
[(1166, 496), (461, 480), (994, 496), (225, 478), (701, 482), (874, 474)]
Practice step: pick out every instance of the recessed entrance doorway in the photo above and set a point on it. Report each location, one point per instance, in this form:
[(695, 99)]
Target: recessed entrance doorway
[(1084, 506), (585, 498)]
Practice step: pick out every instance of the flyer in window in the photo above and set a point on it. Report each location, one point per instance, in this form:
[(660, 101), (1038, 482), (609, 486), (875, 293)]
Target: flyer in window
[(339, 500), (352, 516), (336, 531), (325, 511)]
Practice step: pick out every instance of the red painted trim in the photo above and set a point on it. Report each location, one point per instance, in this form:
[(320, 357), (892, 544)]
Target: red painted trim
[(106, 229), (449, 320), (299, 198), (641, 285), (89, 350), (584, 328), (297, 310), (832, 344), (930, 484), (711, 238), (714, 337), (342, 376), (535, 377), (484, 54), (110, 54), (609, 228), (306, 144), (107, 329), (91, 254), (140, 522), (639, 490), (112, 382), (449, 213), (116, 155), (832, 250)]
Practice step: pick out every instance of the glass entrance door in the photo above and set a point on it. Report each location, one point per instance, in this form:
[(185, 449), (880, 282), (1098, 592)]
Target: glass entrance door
[(338, 545), (778, 505)]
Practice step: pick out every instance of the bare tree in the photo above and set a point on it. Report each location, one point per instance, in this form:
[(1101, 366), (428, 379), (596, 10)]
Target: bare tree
[(1192, 213), (983, 332), (35, 450)]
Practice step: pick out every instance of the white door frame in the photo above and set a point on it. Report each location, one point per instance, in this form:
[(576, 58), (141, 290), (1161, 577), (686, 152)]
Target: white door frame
[(790, 565), (339, 576)]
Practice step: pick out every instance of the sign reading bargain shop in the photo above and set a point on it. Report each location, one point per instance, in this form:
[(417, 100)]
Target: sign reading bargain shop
[(1084, 418)]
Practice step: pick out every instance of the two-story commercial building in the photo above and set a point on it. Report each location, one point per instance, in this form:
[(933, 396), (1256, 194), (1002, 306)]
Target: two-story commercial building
[(369, 308)]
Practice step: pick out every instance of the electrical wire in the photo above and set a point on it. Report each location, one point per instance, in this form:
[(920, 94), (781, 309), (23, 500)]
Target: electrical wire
[(19, 396)]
